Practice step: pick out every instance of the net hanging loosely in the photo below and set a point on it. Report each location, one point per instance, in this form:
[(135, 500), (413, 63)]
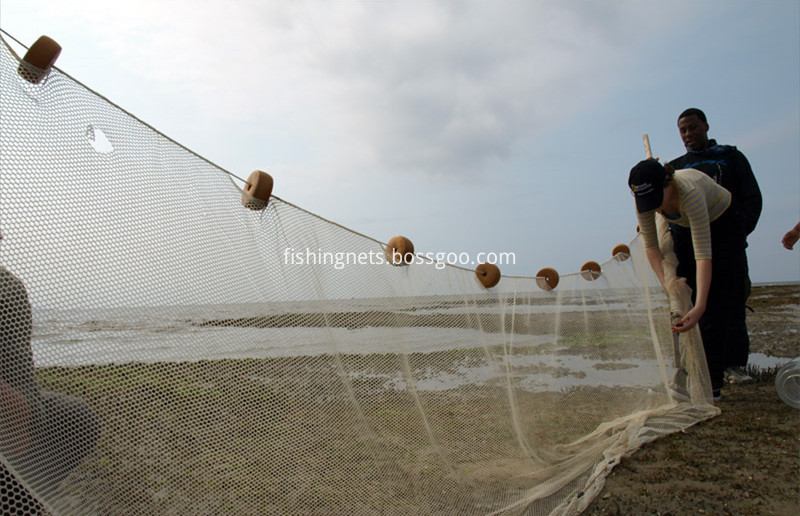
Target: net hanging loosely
[(162, 354)]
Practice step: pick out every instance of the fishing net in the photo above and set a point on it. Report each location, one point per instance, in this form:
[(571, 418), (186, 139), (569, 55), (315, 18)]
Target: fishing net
[(168, 350)]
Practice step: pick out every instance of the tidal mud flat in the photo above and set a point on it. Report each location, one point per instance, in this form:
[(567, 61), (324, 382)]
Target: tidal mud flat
[(745, 461)]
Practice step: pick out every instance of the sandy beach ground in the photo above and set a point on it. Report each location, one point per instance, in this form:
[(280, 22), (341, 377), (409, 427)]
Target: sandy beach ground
[(744, 462)]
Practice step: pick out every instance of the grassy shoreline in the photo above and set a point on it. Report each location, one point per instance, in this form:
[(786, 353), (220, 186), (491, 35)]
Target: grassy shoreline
[(204, 436), (300, 440)]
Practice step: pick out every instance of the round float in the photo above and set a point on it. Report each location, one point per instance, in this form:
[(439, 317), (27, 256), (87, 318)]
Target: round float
[(488, 274), (621, 252), (257, 190), (547, 278), (399, 251), (38, 60), (590, 270)]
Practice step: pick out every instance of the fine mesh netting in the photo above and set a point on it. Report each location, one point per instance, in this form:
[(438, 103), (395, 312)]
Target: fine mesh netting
[(161, 354)]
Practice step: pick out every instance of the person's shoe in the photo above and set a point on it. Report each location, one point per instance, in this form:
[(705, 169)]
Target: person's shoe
[(736, 375), (717, 394), (679, 393), (677, 387)]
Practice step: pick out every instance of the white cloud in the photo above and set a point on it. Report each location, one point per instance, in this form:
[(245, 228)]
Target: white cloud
[(462, 120), (435, 87)]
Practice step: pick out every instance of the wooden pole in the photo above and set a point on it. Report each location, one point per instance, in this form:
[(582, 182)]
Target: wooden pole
[(647, 150)]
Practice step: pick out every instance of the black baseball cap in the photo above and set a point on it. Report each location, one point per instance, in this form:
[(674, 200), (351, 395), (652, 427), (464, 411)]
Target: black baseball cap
[(647, 184)]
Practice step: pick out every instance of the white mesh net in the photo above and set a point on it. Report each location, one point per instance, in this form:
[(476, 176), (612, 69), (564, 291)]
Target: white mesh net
[(159, 354)]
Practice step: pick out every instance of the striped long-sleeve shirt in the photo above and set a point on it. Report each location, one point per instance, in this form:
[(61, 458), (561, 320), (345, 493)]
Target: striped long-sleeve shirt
[(701, 202)]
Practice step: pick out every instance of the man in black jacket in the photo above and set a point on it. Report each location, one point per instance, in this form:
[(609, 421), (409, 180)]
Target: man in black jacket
[(730, 168), (724, 163)]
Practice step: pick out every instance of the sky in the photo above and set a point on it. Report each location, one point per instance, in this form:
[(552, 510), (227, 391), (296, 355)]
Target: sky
[(467, 126)]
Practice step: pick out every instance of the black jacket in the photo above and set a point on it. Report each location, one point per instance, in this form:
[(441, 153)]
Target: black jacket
[(728, 167)]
